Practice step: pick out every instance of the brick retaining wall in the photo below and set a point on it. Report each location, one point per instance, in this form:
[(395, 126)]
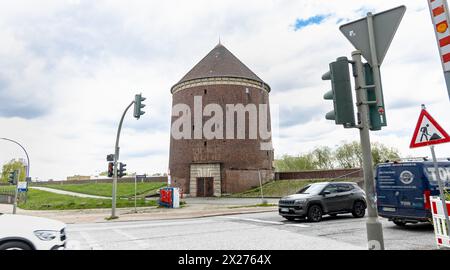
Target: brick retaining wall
[(344, 173)]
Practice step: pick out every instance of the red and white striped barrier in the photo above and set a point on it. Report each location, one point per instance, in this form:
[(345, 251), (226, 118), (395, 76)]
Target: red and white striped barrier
[(440, 17), (440, 229)]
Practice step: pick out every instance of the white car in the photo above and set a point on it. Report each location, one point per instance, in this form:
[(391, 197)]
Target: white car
[(19, 232)]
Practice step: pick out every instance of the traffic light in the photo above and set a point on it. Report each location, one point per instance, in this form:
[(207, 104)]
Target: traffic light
[(122, 170), (110, 169), (377, 115), (341, 93), (12, 178), (138, 106)]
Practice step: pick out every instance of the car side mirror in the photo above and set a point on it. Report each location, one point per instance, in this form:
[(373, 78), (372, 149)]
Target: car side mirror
[(324, 193)]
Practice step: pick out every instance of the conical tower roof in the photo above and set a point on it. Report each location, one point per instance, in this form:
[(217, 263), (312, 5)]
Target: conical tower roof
[(220, 62)]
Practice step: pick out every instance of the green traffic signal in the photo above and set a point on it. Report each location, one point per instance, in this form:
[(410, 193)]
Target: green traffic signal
[(138, 106), (341, 93), (12, 178), (377, 115), (121, 171)]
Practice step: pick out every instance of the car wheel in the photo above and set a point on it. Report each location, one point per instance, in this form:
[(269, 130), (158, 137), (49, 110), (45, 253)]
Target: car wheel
[(290, 218), (14, 245), (399, 223), (359, 209), (314, 213)]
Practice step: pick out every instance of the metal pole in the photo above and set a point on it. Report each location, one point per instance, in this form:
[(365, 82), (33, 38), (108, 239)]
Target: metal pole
[(16, 193), (374, 228), (375, 65), (135, 192), (441, 188), (260, 186), (116, 158)]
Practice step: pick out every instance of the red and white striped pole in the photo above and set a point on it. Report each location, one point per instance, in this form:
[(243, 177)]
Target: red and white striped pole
[(440, 17)]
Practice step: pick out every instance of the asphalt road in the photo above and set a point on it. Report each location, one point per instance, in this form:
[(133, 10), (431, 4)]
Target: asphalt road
[(249, 231)]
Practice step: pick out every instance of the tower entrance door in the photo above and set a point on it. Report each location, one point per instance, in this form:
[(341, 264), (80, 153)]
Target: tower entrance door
[(205, 186), (205, 180)]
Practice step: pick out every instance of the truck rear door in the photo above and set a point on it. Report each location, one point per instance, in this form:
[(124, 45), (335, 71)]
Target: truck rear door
[(400, 190)]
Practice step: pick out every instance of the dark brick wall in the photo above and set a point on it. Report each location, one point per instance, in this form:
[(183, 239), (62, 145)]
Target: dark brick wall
[(232, 154), (351, 173)]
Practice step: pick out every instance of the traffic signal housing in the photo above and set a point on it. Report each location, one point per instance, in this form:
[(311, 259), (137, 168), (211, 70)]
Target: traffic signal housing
[(110, 169), (12, 177), (377, 115), (121, 171), (138, 99), (341, 93)]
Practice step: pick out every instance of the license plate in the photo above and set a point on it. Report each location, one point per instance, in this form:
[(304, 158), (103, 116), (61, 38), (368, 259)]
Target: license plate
[(284, 209), (388, 209)]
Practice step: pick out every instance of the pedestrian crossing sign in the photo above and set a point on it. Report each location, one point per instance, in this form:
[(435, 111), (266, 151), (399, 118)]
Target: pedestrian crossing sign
[(428, 132)]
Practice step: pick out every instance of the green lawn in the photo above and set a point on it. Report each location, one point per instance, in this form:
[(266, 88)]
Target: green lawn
[(42, 200), (7, 189), (105, 189), (283, 187)]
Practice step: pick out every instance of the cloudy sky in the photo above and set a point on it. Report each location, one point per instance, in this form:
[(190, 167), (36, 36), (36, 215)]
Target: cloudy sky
[(68, 68)]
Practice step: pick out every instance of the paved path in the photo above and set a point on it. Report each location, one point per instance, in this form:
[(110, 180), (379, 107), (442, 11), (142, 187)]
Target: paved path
[(63, 192)]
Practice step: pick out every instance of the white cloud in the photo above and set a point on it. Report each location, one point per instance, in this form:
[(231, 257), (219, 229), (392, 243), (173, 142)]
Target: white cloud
[(69, 68)]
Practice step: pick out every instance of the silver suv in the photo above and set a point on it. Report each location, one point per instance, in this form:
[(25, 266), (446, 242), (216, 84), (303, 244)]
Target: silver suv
[(316, 200)]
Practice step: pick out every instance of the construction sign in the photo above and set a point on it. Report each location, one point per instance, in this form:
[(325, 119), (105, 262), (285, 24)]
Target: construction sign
[(428, 132)]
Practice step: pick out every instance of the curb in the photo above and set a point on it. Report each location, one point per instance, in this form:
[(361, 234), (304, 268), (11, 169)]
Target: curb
[(191, 216)]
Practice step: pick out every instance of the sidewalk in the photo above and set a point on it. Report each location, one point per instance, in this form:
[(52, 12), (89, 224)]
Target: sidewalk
[(194, 210)]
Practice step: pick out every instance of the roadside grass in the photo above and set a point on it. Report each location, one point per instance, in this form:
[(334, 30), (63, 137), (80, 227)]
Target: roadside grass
[(105, 189), (42, 200), (7, 189), (282, 188)]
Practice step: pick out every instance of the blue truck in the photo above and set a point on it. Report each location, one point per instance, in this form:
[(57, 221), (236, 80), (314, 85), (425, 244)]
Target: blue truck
[(404, 189)]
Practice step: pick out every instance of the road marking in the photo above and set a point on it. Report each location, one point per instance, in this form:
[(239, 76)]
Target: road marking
[(268, 222), (114, 226), (90, 241), (138, 242)]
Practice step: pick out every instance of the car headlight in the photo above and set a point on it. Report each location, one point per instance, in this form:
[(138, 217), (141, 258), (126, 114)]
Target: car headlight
[(46, 235), (302, 201)]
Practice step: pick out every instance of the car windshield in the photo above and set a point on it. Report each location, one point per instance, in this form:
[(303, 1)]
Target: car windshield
[(312, 189)]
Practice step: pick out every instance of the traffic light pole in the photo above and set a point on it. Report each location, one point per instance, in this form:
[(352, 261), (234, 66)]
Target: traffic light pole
[(16, 192), (373, 225), (116, 158)]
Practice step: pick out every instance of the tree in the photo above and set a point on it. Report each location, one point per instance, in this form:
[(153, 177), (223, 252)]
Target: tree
[(349, 155), (382, 153), (323, 158), (11, 166), (295, 163)]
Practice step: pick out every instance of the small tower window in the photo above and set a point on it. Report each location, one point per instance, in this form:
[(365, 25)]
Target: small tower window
[(205, 143), (206, 91)]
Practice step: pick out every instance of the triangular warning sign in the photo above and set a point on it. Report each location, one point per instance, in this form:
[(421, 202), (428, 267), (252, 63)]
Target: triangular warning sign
[(428, 132)]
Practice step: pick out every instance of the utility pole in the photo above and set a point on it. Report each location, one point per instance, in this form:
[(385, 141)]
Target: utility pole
[(373, 225), (138, 105), (116, 158), (17, 176)]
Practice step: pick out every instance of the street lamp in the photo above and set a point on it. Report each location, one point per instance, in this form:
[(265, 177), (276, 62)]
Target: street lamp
[(28, 158), (28, 171)]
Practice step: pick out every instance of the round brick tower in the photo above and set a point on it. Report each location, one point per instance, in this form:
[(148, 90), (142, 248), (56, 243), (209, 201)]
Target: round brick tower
[(217, 96)]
